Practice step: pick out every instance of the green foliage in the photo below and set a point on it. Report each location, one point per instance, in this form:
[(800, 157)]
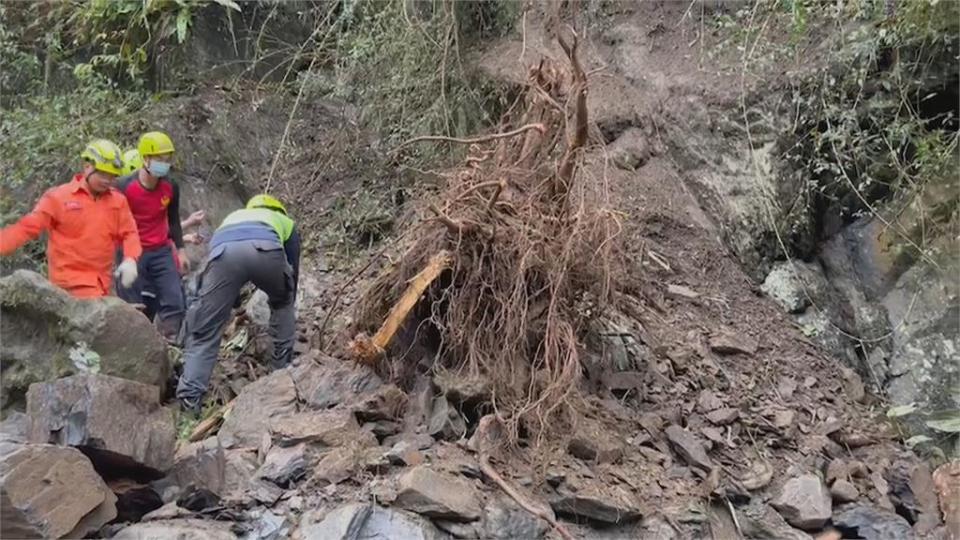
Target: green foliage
[(114, 38), (359, 220), (401, 61), (19, 69), (878, 124)]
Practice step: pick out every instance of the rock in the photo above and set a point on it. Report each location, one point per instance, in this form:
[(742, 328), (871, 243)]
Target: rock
[(438, 495), (688, 447), (168, 511), (853, 385), (843, 491), (622, 382), (592, 441), (804, 502), (868, 523), (761, 522), (385, 404), (504, 519), (924, 361), (653, 456), (51, 492), (404, 452), (119, 424), (264, 491), (346, 462), (330, 382), (708, 401), (946, 480), (199, 464), (489, 437), (792, 283), (829, 534), (463, 388), (325, 429), (445, 421), (786, 387), (198, 499), (356, 521), (257, 311), (47, 334), (15, 428), (913, 493), (733, 344), (257, 408), (630, 150), (284, 466), (382, 429), (266, 525), (181, 529), (596, 501), (724, 416), (783, 418), (208, 465)]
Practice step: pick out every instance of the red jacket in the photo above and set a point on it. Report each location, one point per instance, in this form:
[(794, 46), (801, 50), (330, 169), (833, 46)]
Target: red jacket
[(83, 234), (156, 211)]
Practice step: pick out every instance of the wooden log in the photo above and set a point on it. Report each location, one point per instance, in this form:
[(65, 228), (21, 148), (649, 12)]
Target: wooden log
[(212, 422), (368, 350)]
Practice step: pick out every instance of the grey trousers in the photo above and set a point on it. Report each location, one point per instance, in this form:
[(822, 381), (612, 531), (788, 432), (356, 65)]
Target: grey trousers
[(228, 268)]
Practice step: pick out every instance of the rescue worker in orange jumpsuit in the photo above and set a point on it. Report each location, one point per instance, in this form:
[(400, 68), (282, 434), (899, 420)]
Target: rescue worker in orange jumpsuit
[(85, 220)]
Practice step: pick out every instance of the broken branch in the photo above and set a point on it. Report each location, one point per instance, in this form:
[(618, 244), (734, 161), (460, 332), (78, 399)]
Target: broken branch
[(204, 428), (368, 350)]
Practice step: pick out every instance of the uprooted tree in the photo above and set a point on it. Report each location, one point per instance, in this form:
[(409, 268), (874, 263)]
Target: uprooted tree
[(509, 261)]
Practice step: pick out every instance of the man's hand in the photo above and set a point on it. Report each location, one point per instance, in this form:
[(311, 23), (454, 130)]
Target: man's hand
[(195, 218), (127, 272), (193, 238)]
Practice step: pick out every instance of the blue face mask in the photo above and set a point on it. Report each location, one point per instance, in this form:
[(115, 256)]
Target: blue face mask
[(158, 169)]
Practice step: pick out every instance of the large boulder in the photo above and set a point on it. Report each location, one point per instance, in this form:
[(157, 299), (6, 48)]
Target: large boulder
[(924, 364), (47, 334), (257, 408), (119, 424), (51, 492)]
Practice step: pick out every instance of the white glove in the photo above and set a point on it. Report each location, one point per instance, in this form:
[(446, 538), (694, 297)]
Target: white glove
[(127, 272)]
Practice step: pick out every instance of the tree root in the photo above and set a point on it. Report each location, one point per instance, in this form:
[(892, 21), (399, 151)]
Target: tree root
[(493, 475), (474, 140)]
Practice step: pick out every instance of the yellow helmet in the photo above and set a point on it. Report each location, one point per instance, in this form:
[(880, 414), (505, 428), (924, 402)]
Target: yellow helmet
[(131, 161), (154, 143), (104, 156), (266, 201)]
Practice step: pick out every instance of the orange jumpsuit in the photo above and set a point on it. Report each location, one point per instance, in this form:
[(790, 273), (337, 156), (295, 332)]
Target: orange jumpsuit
[(84, 232)]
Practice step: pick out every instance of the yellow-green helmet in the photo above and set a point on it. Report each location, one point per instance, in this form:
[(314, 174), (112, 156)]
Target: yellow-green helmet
[(131, 161), (266, 201), (155, 143), (104, 156)]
